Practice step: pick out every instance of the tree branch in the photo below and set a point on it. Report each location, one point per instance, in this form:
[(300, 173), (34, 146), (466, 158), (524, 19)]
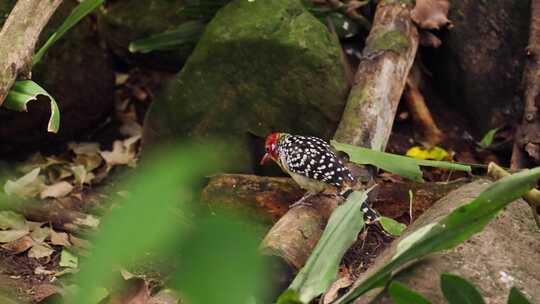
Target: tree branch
[(18, 39)]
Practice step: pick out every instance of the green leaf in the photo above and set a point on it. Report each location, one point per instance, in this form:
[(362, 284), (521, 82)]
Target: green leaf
[(217, 257), (78, 13), (487, 140), (289, 296), (392, 226), (68, 259), (457, 290), (401, 294), (223, 265), (202, 9), (24, 91), (516, 297), (398, 164), (188, 32), (340, 233), (453, 229)]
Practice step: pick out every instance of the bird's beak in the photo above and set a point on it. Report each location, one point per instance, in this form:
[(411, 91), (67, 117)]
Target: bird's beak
[(265, 158)]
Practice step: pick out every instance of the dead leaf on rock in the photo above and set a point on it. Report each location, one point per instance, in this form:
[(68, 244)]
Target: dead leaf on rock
[(59, 189), (12, 226), (431, 14), (28, 185), (20, 245)]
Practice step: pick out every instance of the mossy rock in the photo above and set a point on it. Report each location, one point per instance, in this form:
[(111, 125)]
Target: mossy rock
[(77, 71), (125, 21), (260, 66)]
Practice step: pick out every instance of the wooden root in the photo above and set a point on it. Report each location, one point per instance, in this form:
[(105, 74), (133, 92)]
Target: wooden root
[(18, 39)]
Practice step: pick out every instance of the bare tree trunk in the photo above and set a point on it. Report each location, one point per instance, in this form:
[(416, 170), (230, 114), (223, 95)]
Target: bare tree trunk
[(381, 76), (18, 39)]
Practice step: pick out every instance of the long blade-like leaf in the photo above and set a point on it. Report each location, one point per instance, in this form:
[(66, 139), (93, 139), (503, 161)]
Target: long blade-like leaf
[(83, 9), (188, 32), (401, 165), (340, 233), (516, 297), (453, 229), (23, 92), (401, 294), (457, 290)]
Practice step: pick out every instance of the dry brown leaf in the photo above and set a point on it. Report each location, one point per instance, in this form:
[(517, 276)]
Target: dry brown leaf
[(40, 234), (40, 251), (332, 293), (59, 238), (19, 245), (59, 189), (28, 185), (88, 221), (81, 175), (79, 243), (41, 270), (431, 14), (122, 153)]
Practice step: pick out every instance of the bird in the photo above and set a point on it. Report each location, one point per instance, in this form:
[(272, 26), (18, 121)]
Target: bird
[(313, 165)]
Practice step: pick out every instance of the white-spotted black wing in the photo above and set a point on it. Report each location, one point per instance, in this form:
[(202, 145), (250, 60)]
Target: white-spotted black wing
[(312, 157)]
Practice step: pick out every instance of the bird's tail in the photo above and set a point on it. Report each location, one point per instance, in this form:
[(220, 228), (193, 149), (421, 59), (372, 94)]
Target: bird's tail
[(370, 214)]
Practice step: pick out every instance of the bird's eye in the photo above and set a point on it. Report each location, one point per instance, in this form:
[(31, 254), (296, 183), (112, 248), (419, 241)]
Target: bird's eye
[(267, 149)]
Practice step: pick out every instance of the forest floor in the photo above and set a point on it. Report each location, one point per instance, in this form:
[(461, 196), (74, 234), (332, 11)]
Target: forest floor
[(34, 278)]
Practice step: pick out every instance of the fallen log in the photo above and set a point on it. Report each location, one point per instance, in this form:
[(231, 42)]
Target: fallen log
[(367, 121)]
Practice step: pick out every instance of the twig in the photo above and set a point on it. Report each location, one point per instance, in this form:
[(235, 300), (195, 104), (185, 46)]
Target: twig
[(532, 197), (431, 134), (18, 39)]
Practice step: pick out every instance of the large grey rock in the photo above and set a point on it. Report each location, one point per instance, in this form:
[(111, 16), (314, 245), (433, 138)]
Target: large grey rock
[(504, 254), (260, 66), (480, 64), (77, 72)]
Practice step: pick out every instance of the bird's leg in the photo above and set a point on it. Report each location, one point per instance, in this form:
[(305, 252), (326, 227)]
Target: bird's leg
[(302, 201)]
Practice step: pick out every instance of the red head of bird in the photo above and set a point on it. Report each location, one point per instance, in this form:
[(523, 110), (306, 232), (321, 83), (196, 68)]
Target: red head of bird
[(270, 145)]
